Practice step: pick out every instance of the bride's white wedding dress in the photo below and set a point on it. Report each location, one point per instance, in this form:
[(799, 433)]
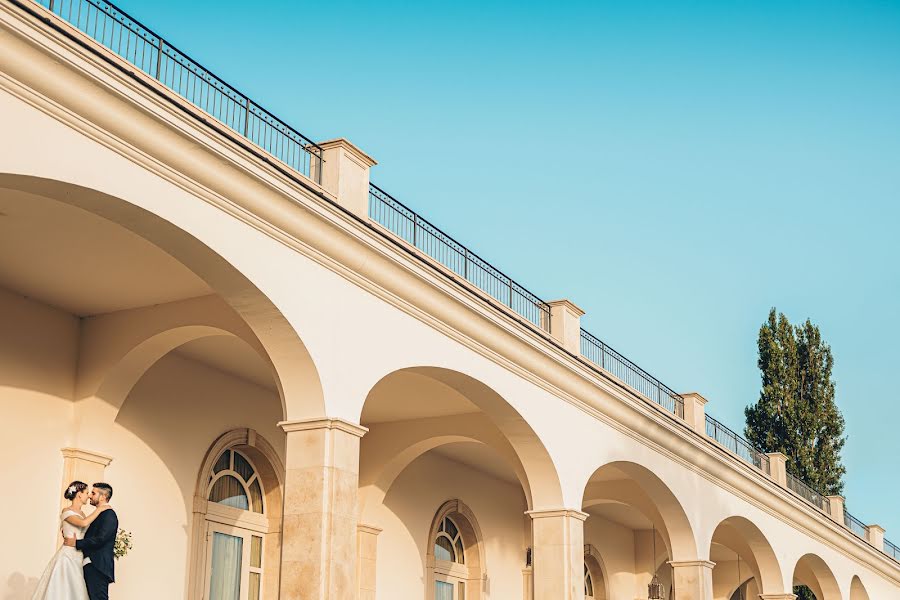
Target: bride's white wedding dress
[(63, 578)]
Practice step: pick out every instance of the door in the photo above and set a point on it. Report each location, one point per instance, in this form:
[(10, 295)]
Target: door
[(233, 563), (449, 589)]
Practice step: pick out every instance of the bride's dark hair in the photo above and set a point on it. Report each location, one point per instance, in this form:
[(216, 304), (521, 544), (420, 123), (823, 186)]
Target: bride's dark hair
[(73, 488)]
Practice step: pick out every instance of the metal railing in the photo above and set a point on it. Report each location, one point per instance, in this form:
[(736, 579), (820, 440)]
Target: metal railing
[(630, 374), (892, 550), (818, 500), (128, 38), (406, 224), (737, 445), (858, 528)]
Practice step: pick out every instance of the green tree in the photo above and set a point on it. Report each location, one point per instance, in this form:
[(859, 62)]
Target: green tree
[(796, 413)]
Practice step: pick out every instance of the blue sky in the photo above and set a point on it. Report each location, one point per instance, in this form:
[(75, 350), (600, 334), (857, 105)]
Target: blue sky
[(676, 169)]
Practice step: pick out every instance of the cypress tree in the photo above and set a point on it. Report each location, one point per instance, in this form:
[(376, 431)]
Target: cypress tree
[(796, 413)]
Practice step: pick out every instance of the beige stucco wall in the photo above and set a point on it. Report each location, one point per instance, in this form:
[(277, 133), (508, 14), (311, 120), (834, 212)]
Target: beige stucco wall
[(38, 348), (409, 510)]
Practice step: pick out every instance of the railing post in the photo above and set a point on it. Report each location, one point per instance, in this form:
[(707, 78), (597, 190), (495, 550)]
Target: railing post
[(159, 57), (875, 536), (565, 324), (50, 7), (836, 504), (465, 263), (778, 463), (695, 411), (247, 119), (415, 230), (345, 175)]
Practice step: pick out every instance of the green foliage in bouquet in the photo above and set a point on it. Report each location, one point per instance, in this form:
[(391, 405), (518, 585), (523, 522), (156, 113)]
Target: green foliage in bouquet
[(123, 544)]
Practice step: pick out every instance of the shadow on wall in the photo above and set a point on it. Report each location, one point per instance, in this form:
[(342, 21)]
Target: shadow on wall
[(19, 587)]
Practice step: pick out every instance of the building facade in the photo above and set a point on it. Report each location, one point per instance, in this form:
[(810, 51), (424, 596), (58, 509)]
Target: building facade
[(300, 389)]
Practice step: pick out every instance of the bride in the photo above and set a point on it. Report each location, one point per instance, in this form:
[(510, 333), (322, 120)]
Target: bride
[(63, 578)]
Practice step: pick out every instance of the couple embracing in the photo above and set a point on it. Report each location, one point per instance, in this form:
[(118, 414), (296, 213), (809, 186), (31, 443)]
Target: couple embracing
[(84, 566)]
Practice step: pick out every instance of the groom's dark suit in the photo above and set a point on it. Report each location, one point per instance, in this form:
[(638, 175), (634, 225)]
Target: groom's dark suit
[(97, 545)]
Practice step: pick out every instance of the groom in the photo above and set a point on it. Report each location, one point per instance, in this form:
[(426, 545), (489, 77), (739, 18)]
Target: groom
[(97, 545)]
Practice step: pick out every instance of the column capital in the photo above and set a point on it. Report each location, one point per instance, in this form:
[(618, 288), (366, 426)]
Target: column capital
[(323, 423), (351, 149), (370, 529), (87, 455), (547, 513), (704, 564)]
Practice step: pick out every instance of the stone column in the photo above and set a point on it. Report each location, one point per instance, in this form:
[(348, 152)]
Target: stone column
[(836, 508), (557, 554), (692, 579), (367, 545), (695, 412), (778, 462), (875, 536), (345, 173), (318, 555), (565, 324)]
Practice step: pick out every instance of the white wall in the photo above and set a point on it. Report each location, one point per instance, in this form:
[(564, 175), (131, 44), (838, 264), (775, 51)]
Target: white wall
[(38, 347), (409, 509)]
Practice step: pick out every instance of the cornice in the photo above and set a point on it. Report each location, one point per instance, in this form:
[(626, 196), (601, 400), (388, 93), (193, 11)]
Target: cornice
[(323, 423), (87, 455), (303, 216)]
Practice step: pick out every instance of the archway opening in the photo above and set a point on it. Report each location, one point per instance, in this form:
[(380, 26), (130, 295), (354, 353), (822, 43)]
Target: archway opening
[(746, 565), (636, 526), (436, 435), (814, 580)]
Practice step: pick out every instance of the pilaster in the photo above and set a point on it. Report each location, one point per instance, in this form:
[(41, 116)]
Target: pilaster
[(367, 547)]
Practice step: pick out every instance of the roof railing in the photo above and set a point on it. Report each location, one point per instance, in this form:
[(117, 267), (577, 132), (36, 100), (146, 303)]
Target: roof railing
[(139, 45), (406, 224), (892, 550), (855, 525), (614, 363), (737, 445), (799, 487)]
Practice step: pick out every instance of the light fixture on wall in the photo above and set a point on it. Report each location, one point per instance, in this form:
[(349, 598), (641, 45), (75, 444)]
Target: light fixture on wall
[(655, 589)]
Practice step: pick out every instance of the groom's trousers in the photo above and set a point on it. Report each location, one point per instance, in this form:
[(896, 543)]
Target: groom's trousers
[(97, 583)]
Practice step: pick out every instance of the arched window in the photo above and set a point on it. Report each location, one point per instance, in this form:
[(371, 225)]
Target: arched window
[(234, 482), (448, 544), (236, 528), (588, 583), (454, 562)]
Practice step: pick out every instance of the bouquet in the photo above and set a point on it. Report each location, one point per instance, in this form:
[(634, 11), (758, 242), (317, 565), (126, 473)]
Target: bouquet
[(122, 544)]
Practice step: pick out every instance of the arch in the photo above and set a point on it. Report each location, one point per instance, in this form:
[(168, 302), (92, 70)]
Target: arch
[(599, 574), (473, 543), (744, 538), (498, 425), (270, 470), (644, 491), (813, 572), (857, 589), (296, 376)]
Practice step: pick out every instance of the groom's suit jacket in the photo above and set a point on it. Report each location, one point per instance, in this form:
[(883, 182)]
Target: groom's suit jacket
[(98, 543)]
